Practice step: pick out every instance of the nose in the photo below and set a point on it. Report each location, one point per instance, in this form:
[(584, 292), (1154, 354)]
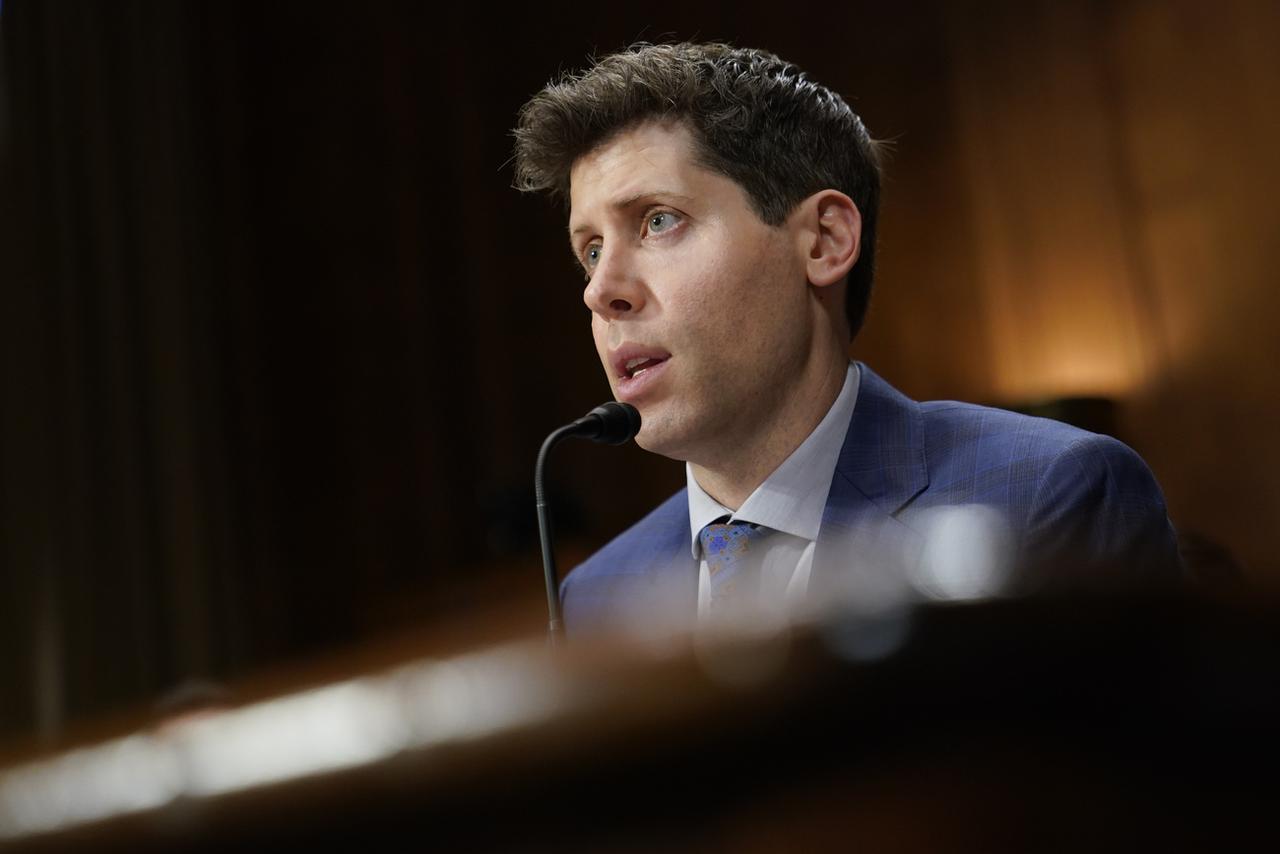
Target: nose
[(616, 289)]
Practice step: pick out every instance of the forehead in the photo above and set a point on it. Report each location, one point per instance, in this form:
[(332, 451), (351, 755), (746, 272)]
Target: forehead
[(650, 157)]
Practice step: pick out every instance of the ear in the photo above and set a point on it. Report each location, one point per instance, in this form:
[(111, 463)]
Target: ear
[(830, 228)]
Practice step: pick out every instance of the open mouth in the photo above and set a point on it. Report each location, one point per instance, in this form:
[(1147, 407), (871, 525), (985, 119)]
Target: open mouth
[(635, 367)]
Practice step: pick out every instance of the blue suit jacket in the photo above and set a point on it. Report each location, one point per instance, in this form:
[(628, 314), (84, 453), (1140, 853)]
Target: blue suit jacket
[(1080, 508)]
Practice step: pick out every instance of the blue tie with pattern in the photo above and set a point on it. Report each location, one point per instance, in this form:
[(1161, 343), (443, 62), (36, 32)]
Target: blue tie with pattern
[(734, 570)]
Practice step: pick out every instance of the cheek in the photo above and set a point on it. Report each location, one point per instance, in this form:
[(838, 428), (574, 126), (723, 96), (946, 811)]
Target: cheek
[(711, 292), (737, 297)]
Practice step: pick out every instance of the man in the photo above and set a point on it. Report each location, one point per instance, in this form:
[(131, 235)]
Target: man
[(723, 209)]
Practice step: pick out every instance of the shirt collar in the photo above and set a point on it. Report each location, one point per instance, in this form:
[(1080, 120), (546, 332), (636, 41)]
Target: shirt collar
[(794, 496)]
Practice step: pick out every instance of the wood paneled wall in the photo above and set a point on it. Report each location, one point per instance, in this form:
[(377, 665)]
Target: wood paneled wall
[(1119, 236)]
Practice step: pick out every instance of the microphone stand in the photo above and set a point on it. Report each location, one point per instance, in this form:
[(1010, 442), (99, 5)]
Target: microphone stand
[(612, 424)]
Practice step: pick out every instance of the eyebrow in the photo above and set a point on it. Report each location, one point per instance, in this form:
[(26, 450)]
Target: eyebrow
[(623, 204)]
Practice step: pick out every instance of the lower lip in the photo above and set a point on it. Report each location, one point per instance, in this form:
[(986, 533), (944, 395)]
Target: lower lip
[(633, 388)]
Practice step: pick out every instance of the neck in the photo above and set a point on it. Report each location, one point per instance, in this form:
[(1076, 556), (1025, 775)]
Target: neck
[(743, 464)]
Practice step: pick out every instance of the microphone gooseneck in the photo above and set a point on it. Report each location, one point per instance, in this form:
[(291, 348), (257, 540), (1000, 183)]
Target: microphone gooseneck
[(612, 424)]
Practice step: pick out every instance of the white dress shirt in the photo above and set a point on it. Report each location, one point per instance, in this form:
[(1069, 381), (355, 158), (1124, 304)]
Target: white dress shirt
[(790, 502)]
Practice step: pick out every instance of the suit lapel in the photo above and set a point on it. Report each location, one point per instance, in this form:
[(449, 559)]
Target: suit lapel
[(864, 552), (674, 573), (649, 585)]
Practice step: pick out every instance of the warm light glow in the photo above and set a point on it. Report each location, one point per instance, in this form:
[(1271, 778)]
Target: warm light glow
[(1077, 374)]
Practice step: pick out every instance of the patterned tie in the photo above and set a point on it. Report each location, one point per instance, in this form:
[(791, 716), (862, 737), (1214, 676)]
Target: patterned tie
[(734, 571)]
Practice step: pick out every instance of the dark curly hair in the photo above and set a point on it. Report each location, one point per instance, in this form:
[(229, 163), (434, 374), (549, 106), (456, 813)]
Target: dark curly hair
[(756, 119)]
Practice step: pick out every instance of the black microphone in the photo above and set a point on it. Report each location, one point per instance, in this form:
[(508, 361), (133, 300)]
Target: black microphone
[(611, 423)]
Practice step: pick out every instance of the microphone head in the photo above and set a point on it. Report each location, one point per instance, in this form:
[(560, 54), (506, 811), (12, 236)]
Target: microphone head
[(618, 423)]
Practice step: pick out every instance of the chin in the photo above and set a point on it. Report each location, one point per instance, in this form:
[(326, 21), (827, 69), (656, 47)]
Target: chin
[(659, 435), (647, 438)]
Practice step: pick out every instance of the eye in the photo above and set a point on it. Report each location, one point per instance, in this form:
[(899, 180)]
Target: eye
[(591, 256), (661, 221)]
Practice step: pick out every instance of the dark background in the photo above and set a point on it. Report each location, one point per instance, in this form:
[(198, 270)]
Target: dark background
[(280, 342)]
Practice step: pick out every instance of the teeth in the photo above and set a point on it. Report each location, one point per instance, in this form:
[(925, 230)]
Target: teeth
[(629, 367)]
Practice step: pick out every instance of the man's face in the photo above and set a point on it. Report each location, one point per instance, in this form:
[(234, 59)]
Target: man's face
[(700, 311)]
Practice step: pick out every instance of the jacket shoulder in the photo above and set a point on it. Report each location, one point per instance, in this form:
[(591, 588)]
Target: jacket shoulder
[(951, 423), (979, 453), (1067, 491)]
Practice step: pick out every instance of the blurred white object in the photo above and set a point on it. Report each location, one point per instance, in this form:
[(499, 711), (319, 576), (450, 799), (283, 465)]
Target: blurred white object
[(967, 555)]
